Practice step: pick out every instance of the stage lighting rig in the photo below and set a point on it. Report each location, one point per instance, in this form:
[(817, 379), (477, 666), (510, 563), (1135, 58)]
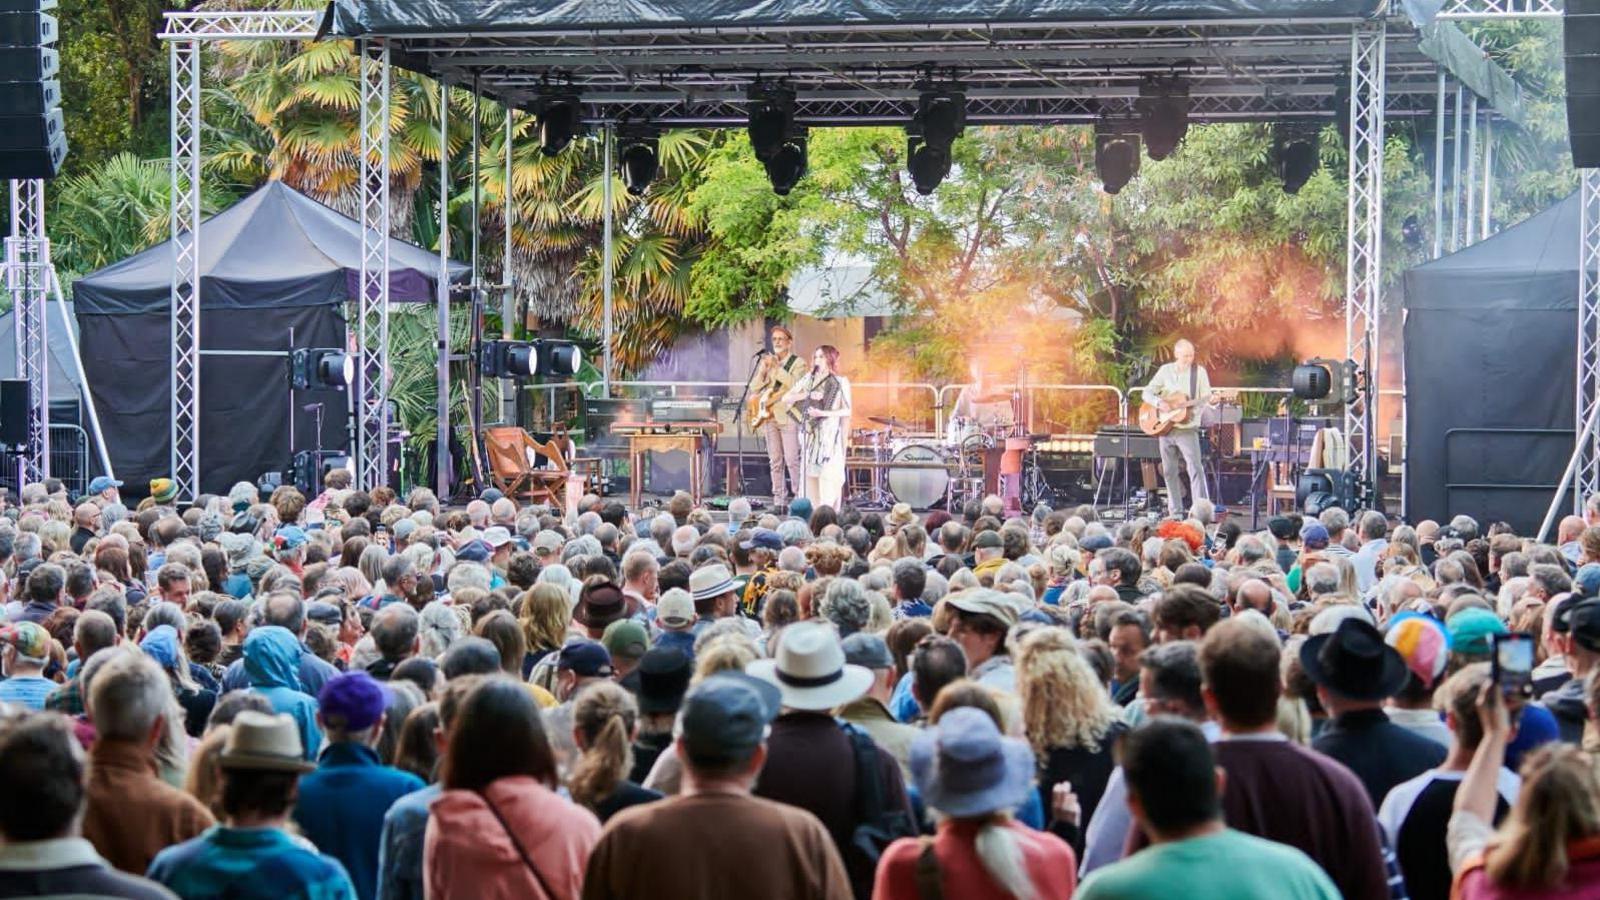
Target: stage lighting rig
[(1331, 381), (321, 369), (524, 359), (771, 122), (1297, 155), (1116, 156), (1163, 107), (787, 165), (559, 117), (639, 161), (941, 117)]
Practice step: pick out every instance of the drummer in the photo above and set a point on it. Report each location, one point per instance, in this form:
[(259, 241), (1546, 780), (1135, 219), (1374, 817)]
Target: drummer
[(979, 407)]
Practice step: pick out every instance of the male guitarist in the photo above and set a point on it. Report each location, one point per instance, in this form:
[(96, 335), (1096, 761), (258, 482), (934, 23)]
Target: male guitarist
[(1181, 384), (774, 419)]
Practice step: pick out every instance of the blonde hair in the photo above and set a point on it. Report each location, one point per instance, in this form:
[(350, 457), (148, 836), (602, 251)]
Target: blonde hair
[(1559, 803), (204, 779), (1001, 856), (605, 714), (1063, 702), (544, 615), (723, 654)]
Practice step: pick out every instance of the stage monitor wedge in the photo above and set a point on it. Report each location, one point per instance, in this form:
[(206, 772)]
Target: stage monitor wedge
[(33, 139), (1580, 34)]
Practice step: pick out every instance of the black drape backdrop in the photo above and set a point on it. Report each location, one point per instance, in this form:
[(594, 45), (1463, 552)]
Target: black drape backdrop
[(1490, 359), (243, 429)]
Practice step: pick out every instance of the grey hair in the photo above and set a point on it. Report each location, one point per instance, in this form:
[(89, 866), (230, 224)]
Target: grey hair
[(465, 575), (794, 532), (1322, 578), (846, 606), (128, 695), (738, 509), (1334, 519), (792, 559), (935, 588), (1203, 510), (440, 628)]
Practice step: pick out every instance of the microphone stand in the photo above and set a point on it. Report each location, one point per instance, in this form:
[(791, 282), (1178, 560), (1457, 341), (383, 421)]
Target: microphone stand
[(738, 425)]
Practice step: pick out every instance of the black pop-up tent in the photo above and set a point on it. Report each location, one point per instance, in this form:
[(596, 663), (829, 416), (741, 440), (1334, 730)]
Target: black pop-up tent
[(275, 263), (1490, 360)]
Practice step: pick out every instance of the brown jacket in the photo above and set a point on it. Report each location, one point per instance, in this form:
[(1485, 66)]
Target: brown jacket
[(133, 814)]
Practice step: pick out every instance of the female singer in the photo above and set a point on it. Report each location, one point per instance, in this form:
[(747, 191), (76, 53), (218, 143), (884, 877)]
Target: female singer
[(824, 395)]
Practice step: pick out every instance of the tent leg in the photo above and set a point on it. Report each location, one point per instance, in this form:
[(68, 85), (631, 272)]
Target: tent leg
[(1455, 175), (442, 443), (1438, 171), (1588, 401)]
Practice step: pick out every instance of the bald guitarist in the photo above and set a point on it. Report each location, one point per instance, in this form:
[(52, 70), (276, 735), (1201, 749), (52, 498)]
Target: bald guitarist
[(774, 419), (1175, 396)]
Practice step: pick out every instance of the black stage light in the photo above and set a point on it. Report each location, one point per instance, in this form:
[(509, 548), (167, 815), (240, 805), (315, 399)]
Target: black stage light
[(1326, 380), (639, 163), (1298, 158), (1116, 159), (1311, 382), (558, 116), (506, 359), (1163, 115), (321, 368), (771, 119), (940, 118), (787, 165), (557, 358)]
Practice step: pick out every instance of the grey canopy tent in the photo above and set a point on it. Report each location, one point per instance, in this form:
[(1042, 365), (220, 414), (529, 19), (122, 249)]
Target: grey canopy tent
[(1490, 368), (274, 264)]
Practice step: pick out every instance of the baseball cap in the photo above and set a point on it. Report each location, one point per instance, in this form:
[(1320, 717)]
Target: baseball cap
[(986, 540), (726, 715), (1582, 620), (626, 638), (587, 658), (102, 483), (1314, 533), (291, 536), (496, 536), (324, 613), (1470, 630), (1422, 642), (1588, 579), (868, 651), (765, 538), (490, 495), (1281, 527), (473, 551), (985, 601), (30, 639), (675, 609), (354, 697)]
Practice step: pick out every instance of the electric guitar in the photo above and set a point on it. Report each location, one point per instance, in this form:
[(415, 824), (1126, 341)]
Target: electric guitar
[(1154, 422), (764, 402)]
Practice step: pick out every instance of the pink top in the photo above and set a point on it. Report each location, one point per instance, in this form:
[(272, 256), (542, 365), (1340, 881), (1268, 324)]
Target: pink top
[(468, 854), (1050, 862), (1582, 882)]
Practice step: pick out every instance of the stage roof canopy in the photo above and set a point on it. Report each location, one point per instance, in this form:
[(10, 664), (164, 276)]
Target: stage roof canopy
[(691, 63)]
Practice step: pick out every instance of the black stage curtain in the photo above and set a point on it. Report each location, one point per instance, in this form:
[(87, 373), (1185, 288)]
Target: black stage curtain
[(244, 400)]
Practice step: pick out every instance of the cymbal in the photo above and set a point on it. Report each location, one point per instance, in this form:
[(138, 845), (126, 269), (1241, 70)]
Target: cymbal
[(890, 421)]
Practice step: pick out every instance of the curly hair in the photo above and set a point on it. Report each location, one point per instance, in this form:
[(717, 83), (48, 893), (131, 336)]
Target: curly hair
[(828, 558), (1063, 703)]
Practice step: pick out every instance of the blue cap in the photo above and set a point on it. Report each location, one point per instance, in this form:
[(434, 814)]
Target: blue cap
[(1588, 579), (728, 714), (474, 551), (161, 645), (765, 538), (1095, 542), (800, 508), (101, 483), (587, 658), (1314, 534), (355, 698), (490, 495), (290, 537)]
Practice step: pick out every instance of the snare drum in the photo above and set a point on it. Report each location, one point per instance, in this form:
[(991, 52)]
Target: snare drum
[(924, 484)]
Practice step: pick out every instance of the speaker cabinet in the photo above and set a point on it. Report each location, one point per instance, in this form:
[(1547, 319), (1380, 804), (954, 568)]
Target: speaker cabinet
[(1580, 33), (13, 412)]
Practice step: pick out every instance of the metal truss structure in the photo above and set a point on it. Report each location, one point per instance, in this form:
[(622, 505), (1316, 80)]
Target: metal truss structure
[(1587, 473), (1012, 73), (185, 60), (29, 275)]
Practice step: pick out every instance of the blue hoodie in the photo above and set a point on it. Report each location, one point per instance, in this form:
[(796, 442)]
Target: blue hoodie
[(272, 662)]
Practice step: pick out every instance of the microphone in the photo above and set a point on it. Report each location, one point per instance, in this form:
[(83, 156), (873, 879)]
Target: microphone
[(760, 352), (311, 407)]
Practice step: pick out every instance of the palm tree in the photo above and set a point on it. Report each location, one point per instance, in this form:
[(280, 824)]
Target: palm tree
[(116, 209)]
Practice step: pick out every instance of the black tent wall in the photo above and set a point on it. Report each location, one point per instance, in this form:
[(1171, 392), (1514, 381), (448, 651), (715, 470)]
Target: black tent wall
[(1490, 363), (243, 429)]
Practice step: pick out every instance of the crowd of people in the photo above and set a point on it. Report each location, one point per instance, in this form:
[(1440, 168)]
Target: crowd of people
[(359, 695)]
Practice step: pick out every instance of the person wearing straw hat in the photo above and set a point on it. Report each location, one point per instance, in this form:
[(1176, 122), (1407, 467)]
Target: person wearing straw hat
[(974, 777), (811, 760), (252, 855)]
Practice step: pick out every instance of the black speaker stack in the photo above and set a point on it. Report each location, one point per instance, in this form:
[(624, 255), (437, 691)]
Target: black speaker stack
[(14, 402), (1580, 34), (33, 138)]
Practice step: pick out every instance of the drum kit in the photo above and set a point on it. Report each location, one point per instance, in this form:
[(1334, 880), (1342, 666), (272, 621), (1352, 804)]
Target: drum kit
[(927, 472)]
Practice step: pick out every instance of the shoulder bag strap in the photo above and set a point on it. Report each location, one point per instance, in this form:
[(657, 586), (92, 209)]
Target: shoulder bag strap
[(521, 851), (929, 885)]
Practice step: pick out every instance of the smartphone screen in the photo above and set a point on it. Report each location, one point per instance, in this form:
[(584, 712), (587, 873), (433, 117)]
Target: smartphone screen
[(1513, 664)]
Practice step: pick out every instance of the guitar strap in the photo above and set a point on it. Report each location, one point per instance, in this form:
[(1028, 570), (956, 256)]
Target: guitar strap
[(1194, 381)]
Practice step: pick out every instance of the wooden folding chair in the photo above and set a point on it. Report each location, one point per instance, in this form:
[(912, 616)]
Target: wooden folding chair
[(525, 469)]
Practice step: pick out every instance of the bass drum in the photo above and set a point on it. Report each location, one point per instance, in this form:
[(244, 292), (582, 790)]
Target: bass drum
[(924, 484)]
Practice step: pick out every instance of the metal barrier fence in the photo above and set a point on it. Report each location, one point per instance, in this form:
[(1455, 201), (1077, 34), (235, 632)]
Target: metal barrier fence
[(69, 457)]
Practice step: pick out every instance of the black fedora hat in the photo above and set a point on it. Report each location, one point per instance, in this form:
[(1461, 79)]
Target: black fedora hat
[(1354, 662)]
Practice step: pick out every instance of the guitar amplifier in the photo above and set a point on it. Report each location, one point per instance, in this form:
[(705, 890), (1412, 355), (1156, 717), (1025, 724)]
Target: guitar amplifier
[(694, 409), (1116, 443)]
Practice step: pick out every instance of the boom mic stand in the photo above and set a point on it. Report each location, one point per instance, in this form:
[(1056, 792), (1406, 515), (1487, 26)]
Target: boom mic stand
[(737, 488)]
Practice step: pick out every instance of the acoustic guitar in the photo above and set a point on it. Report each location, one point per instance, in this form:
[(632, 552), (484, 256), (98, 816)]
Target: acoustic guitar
[(1154, 422)]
